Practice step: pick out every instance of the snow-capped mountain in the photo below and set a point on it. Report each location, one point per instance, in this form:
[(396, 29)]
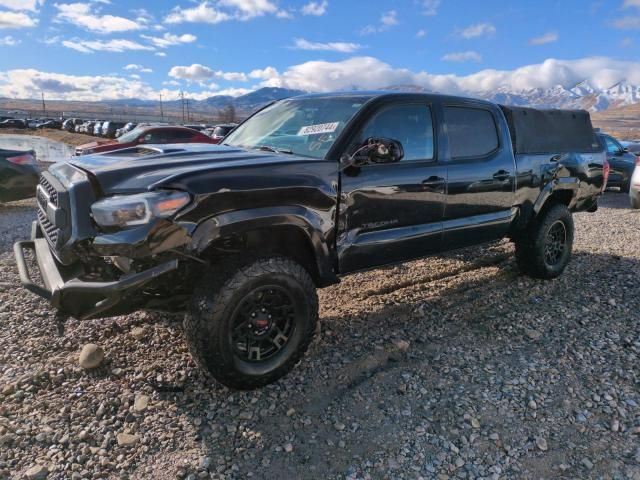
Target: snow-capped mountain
[(583, 95)]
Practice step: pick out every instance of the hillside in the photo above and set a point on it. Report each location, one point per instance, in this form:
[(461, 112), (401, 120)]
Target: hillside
[(622, 122)]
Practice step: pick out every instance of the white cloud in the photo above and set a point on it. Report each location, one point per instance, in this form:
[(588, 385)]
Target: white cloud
[(115, 45), (430, 7), (168, 39), (82, 15), (224, 10), (322, 76), (478, 30), (192, 73), (549, 37), (31, 5), (387, 20), (267, 73), (627, 23), (631, 3), (315, 8), (421, 33), (468, 56), (626, 42), (160, 54), (231, 76), (344, 47), (16, 20), (246, 9), (325, 76), (138, 68), (8, 41)]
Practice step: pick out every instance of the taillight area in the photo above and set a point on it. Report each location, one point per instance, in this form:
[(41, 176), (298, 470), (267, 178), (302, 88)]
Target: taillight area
[(26, 159), (606, 168)]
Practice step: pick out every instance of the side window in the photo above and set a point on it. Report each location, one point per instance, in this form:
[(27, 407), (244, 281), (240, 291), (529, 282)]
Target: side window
[(613, 147), (410, 124), (472, 132), (180, 136), (159, 136)]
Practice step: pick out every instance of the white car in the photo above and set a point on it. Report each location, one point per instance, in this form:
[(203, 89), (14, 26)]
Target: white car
[(634, 187)]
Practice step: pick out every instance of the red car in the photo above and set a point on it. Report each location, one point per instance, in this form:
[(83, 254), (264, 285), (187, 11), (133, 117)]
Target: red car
[(146, 135)]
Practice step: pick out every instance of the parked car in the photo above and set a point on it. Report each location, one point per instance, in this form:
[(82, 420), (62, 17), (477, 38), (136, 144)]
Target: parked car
[(633, 147), (145, 135), (70, 124), (634, 190), (127, 128), (13, 123), (221, 131), (97, 128), (56, 124), (109, 128), (621, 161), (308, 189), (19, 175)]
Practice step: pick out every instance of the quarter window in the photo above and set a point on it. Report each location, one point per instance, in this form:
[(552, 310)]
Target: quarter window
[(410, 124), (472, 132)]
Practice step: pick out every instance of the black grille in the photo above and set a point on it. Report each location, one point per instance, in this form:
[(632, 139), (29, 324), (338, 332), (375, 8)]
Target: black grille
[(53, 195), (47, 194), (49, 229)]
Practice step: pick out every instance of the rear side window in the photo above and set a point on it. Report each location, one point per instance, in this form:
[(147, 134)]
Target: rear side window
[(472, 132)]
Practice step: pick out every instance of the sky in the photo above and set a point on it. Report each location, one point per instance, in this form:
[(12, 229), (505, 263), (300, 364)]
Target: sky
[(113, 49)]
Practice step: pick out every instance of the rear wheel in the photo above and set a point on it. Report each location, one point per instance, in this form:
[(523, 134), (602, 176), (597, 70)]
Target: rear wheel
[(248, 327), (544, 250)]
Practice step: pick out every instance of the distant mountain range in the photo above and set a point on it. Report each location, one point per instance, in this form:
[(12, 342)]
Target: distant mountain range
[(583, 95)]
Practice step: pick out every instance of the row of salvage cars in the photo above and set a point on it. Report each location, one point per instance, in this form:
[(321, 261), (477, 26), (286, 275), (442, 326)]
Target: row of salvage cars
[(19, 170)]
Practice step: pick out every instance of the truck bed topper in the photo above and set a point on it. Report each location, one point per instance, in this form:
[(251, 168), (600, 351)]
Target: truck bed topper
[(543, 131)]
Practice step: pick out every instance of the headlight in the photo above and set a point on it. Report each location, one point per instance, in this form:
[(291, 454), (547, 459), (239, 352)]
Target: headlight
[(132, 210)]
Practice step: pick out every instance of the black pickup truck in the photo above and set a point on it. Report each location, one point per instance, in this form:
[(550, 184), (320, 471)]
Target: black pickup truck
[(305, 191)]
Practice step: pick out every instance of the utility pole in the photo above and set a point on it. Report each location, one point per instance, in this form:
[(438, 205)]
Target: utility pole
[(161, 112), (182, 97), (44, 107), (188, 116)]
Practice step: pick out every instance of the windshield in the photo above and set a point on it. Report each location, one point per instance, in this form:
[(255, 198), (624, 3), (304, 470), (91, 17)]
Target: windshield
[(303, 126), (130, 136)]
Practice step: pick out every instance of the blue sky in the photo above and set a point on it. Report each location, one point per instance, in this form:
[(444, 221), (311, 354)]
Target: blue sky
[(118, 49)]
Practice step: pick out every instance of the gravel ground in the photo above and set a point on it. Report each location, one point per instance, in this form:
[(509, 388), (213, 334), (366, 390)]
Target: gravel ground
[(451, 367)]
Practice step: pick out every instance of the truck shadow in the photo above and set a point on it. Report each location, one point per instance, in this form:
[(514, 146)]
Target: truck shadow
[(393, 362)]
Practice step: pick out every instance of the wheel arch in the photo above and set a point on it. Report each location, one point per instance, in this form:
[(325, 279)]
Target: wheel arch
[(296, 233)]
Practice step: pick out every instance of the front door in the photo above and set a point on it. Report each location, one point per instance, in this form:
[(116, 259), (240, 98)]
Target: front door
[(393, 212)]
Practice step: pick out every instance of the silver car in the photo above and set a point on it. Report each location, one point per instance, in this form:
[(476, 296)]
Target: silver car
[(634, 187)]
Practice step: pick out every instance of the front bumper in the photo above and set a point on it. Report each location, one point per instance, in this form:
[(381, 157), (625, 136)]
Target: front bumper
[(75, 297)]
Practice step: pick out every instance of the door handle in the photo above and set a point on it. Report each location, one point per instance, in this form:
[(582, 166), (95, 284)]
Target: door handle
[(433, 181), (502, 175)]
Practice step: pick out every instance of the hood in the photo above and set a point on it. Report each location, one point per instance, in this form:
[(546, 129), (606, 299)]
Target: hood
[(139, 169), (97, 143)]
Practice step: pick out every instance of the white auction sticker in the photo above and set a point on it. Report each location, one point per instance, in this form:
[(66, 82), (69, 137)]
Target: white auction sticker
[(318, 129)]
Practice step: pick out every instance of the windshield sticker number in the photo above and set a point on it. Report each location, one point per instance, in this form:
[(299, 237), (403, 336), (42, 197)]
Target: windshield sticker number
[(319, 129)]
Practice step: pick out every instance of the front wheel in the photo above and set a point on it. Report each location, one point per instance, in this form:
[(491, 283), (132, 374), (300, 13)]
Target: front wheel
[(248, 327), (544, 250)]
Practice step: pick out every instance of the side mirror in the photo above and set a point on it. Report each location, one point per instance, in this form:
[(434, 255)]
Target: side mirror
[(625, 150), (374, 150)]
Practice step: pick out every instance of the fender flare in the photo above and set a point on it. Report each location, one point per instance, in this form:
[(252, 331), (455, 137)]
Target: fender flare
[(571, 184), (311, 223)]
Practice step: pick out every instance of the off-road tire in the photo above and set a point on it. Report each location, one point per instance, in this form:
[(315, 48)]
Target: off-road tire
[(530, 246), (208, 325)]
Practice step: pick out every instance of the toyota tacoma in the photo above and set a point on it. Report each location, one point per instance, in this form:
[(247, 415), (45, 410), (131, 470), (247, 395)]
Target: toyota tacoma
[(239, 236)]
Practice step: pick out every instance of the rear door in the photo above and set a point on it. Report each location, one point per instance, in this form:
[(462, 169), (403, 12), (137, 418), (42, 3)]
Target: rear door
[(481, 172), (393, 212)]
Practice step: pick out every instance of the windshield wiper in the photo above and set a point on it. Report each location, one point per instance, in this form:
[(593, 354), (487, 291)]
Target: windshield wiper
[(268, 148)]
